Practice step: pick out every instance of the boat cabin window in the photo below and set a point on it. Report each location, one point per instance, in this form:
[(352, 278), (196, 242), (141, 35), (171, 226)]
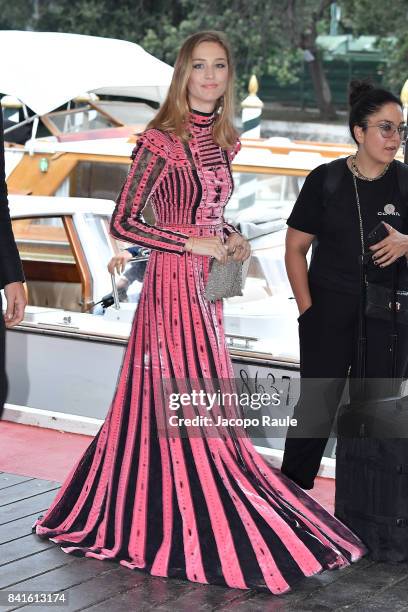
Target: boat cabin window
[(90, 179), (77, 120), (97, 179), (263, 320), (52, 275), (262, 198), (127, 113), (101, 115)]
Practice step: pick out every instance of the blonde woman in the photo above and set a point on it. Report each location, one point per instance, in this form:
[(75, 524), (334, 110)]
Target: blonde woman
[(202, 506)]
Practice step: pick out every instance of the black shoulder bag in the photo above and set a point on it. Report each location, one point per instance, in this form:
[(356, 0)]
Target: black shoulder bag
[(390, 304)]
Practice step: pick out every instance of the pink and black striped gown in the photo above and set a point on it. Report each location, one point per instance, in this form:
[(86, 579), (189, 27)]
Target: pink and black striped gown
[(206, 508)]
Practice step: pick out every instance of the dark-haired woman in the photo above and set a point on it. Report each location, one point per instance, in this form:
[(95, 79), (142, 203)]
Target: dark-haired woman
[(328, 293), (203, 506)]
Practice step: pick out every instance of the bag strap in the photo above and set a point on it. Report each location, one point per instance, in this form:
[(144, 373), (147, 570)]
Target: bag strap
[(394, 332), (334, 175), (336, 170), (362, 333)]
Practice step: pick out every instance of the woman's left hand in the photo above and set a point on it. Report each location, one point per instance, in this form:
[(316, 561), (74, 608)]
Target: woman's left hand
[(238, 247), (394, 246)]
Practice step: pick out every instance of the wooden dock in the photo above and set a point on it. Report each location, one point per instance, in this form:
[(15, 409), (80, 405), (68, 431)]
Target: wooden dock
[(28, 563)]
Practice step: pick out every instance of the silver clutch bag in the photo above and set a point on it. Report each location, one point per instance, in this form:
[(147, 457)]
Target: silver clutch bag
[(226, 280)]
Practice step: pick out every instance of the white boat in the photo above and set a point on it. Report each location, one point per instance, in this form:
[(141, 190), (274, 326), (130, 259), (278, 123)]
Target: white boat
[(100, 87)]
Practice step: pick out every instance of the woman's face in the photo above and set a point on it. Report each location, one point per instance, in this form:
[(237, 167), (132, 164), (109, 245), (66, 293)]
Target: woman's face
[(377, 140), (209, 76)]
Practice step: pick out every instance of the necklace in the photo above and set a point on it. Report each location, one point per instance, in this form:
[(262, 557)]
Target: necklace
[(360, 175)]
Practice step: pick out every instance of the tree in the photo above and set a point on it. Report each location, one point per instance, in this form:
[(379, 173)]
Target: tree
[(15, 15), (271, 37), (388, 21), (303, 31)]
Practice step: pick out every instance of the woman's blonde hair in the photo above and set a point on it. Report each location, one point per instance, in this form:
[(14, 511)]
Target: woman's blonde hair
[(173, 113)]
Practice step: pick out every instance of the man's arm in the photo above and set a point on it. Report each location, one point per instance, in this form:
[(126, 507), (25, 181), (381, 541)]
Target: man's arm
[(11, 269)]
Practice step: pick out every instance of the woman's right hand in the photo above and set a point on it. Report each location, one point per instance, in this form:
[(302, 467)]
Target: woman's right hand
[(211, 246)]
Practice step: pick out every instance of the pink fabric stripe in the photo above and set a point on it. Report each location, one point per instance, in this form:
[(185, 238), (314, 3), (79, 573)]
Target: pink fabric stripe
[(114, 450), (138, 380), (299, 551), (302, 503), (160, 564), (230, 564), (274, 580), (138, 535), (194, 565), (161, 561), (104, 442), (191, 540)]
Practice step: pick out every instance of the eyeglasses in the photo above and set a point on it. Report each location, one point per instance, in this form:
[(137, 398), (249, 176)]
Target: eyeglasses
[(388, 129)]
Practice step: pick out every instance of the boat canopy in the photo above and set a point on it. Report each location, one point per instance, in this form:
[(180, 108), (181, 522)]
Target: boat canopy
[(44, 70)]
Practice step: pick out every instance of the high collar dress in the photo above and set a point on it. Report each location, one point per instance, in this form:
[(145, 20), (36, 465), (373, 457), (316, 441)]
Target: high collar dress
[(199, 504)]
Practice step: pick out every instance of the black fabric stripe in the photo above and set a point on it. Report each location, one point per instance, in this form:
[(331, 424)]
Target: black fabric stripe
[(283, 559), (199, 193), (177, 562), (209, 551), (243, 546), (155, 495), (190, 188), (177, 567), (65, 505), (177, 197), (142, 162), (114, 482), (291, 516)]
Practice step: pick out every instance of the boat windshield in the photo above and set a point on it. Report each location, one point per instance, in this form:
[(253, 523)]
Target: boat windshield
[(98, 247), (73, 121), (262, 198), (98, 116)]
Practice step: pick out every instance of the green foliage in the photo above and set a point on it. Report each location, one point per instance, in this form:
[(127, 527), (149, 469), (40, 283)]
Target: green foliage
[(388, 21), (376, 18), (15, 15), (265, 34), (254, 28)]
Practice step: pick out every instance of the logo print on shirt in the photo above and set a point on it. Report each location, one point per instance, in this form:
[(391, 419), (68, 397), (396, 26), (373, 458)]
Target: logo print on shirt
[(389, 209)]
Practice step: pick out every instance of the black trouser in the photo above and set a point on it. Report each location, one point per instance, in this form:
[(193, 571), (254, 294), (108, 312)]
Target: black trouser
[(3, 379), (328, 335)]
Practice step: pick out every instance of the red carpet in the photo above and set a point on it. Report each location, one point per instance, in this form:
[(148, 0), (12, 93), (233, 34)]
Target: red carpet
[(42, 453), (50, 454)]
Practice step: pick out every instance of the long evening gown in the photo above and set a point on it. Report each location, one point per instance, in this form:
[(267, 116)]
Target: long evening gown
[(205, 508)]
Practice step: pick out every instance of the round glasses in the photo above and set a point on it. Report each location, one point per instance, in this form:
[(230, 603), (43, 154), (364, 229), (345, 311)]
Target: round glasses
[(388, 130)]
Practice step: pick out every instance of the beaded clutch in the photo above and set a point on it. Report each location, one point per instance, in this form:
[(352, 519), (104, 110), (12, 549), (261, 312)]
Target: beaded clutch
[(226, 280)]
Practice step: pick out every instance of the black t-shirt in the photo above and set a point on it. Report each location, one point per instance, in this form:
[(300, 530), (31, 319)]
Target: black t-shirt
[(335, 223)]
